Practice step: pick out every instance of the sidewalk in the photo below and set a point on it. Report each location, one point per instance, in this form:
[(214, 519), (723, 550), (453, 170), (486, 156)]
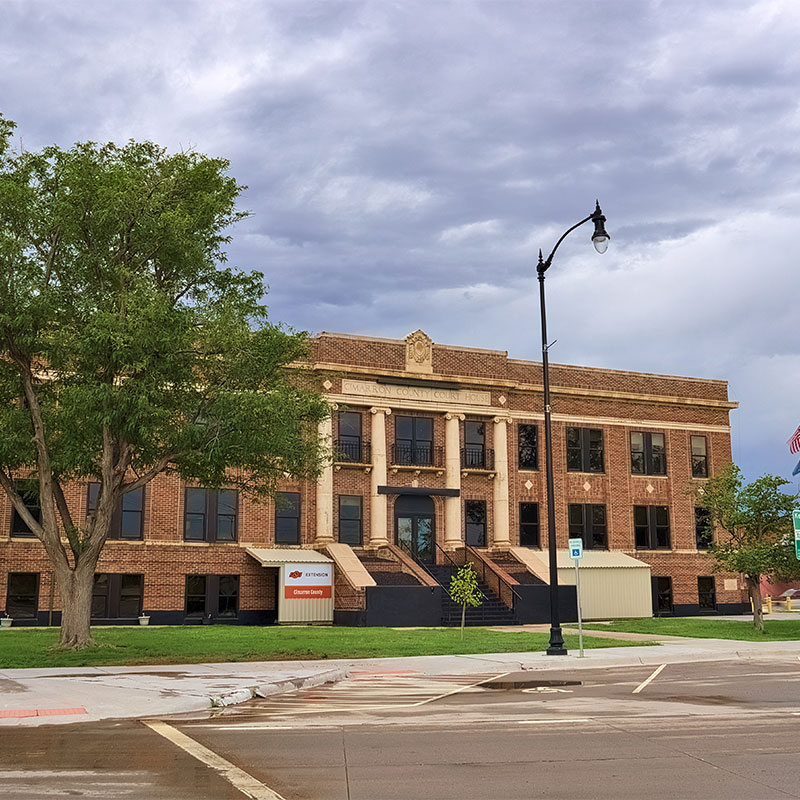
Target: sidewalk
[(67, 694)]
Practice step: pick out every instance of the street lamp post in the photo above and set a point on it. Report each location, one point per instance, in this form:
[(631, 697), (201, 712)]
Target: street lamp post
[(600, 240)]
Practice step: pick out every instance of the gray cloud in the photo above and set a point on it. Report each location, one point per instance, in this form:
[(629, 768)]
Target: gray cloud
[(406, 160)]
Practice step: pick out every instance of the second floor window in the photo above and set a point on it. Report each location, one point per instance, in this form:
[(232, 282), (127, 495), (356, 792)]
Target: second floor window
[(475, 522), (528, 446), (651, 527), (585, 450), (287, 518), (349, 445), (210, 515), (699, 457), (587, 521), (413, 440), (529, 525), (703, 535), (648, 453), (350, 524), (127, 520), (474, 444)]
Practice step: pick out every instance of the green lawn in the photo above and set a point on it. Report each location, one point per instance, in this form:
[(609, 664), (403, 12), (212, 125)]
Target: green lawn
[(775, 630), (33, 647)]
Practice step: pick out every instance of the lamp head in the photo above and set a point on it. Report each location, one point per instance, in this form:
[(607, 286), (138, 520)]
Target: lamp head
[(600, 238)]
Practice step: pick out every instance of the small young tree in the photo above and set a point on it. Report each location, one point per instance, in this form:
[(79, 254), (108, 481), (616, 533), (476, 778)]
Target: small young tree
[(464, 591), (128, 349), (757, 522)]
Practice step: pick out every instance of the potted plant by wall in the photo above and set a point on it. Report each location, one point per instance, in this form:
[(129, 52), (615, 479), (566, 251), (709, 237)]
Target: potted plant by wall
[(144, 619), (6, 621)]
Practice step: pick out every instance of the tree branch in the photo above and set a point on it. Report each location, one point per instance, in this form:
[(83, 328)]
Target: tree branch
[(146, 477)]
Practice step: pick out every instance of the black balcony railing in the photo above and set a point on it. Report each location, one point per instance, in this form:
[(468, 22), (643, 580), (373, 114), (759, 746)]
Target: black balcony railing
[(477, 458), (417, 455), (354, 452)]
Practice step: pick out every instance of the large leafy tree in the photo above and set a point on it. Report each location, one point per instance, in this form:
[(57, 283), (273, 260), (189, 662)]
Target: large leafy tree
[(756, 524), (128, 348)]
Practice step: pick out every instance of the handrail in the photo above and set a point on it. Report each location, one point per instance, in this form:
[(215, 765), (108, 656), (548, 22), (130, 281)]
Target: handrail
[(499, 579)]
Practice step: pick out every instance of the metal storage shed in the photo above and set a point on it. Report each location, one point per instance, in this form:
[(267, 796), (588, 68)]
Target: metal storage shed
[(613, 584)]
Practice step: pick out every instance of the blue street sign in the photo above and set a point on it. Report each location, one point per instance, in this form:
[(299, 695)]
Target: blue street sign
[(575, 548)]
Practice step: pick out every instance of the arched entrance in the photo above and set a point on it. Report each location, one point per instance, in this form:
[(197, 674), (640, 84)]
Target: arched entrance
[(415, 527)]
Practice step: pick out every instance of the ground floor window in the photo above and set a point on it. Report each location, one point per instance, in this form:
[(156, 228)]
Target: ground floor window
[(529, 525), (212, 595), (587, 521), (117, 596), (350, 514), (475, 514), (706, 593), (22, 596), (662, 596)]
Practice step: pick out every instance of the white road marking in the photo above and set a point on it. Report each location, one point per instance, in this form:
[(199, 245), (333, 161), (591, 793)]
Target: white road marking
[(551, 721), (240, 779), (647, 681), (535, 689)]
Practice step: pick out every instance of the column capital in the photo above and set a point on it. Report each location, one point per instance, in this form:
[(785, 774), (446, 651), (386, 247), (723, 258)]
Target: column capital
[(453, 415), (380, 410), (498, 420)]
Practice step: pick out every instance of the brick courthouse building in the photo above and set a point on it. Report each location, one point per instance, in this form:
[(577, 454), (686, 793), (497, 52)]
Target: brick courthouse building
[(439, 459)]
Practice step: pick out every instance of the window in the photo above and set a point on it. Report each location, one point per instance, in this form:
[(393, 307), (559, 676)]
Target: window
[(115, 596), (287, 518), (585, 450), (195, 595), (212, 595), (703, 535), (350, 525), (29, 492), (128, 517), (587, 521), (699, 457), (529, 525), (210, 515), (413, 441), (648, 453), (528, 446), (474, 454), (706, 593), (349, 443), (228, 597), (475, 516), (22, 595), (651, 527), (662, 596)]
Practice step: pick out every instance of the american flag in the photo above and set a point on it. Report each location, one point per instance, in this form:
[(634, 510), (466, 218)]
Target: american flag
[(794, 442)]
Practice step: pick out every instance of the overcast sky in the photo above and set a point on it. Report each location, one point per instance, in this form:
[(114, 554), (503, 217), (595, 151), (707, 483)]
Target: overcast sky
[(406, 160)]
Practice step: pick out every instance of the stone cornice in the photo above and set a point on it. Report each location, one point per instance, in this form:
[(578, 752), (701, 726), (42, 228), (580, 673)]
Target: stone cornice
[(567, 391)]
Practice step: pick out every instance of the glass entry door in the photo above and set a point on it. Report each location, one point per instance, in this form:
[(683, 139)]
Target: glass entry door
[(415, 527)]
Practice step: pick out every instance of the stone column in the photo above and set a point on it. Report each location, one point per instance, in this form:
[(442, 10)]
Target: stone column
[(377, 508), (453, 536), (324, 534), (502, 534)]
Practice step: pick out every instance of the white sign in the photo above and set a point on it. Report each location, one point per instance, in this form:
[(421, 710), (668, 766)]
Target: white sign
[(307, 581), (576, 548), (420, 393)]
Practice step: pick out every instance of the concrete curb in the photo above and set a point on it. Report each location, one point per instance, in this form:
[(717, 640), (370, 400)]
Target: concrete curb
[(277, 687)]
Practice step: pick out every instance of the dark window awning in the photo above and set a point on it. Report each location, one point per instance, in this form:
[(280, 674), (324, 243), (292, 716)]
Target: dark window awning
[(419, 491)]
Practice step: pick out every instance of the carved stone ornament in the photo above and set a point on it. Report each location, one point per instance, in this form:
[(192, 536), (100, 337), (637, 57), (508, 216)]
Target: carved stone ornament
[(419, 352)]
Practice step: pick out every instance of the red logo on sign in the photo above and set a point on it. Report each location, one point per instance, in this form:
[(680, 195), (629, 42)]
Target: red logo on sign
[(295, 574)]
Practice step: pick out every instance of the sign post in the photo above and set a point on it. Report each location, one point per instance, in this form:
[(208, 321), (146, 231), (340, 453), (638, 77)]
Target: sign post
[(796, 523), (576, 554)]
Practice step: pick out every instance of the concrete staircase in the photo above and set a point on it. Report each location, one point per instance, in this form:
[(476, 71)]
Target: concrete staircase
[(493, 611)]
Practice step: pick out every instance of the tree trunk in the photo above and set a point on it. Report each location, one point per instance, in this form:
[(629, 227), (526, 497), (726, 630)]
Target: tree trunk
[(463, 617), (754, 590), (75, 587)]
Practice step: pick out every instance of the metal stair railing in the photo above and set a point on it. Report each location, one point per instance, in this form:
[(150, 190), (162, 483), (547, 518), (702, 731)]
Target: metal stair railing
[(488, 576)]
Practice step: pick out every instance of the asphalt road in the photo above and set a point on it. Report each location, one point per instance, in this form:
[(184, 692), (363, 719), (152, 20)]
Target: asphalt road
[(709, 730)]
